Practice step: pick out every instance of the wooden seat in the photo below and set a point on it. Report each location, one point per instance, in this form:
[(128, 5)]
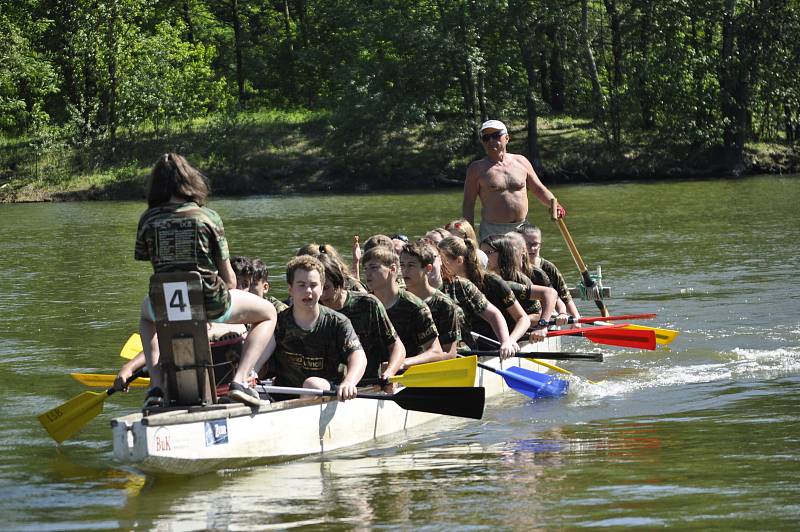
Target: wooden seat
[(182, 329)]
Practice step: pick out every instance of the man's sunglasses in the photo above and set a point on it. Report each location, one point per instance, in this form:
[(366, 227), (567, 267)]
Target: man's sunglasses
[(496, 135)]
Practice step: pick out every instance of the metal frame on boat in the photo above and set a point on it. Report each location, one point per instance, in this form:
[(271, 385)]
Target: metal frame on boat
[(200, 439)]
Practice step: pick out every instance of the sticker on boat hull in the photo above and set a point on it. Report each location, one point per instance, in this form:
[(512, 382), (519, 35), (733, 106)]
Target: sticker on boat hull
[(216, 432)]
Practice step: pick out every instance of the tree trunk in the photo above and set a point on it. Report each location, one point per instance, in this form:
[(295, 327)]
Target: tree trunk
[(615, 24), (643, 74), (733, 88), (591, 67), (187, 18), (111, 46), (557, 84), (531, 113), (237, 48), (482, 98)]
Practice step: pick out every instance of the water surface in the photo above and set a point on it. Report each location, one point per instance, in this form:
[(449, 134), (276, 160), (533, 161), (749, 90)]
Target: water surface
[(702, 434)]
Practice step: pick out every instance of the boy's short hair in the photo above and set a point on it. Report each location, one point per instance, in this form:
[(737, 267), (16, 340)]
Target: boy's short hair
[(422, 251), (384, 255), (260, 271), (378, 240), (307, 263), (242, 267)]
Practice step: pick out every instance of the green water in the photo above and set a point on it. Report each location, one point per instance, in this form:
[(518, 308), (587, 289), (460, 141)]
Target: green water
[(704, 434)]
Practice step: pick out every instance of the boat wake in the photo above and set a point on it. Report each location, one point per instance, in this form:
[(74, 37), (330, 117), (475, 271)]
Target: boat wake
[(737, 365)]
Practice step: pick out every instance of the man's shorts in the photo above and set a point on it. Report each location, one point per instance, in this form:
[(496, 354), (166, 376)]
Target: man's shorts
[(488, 229)]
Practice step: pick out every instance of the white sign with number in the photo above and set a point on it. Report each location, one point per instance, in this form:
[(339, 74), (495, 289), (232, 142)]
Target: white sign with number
[(176, 296)]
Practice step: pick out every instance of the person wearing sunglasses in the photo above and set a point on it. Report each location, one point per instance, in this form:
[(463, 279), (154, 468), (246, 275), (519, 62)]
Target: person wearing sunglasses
[(501, 181)]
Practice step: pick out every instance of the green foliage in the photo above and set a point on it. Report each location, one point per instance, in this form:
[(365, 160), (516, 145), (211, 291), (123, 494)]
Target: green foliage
[(402, 84)]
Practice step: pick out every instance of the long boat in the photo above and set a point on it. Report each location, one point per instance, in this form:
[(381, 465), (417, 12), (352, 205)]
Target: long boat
[(201, 439)]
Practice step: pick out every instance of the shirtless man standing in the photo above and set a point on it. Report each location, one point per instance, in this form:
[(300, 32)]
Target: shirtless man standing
[(501, 180)]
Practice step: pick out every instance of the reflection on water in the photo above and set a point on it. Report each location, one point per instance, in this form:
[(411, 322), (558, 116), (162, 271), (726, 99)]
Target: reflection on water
[(702, 433)]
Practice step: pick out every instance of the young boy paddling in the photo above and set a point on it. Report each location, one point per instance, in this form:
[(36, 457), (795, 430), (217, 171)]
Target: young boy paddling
[(417, 261), (370, 321), (409, 315), (312, 340)]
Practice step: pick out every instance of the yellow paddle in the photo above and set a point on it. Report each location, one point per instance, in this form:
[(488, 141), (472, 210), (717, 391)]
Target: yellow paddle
[(663, 336), (65, 420), (453, 373), (132, 347), (104, 380)]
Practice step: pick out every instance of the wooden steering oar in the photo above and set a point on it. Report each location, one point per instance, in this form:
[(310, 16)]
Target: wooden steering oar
[(588, 282)]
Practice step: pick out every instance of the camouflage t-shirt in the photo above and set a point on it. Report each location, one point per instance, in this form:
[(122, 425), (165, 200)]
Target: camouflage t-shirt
[(373, 328), (354, 285), (446, 317), (277, 303), (184, 237), (556, 280), (522, 287), (300, 354), (471, 302), (499, 293), (413, 322)]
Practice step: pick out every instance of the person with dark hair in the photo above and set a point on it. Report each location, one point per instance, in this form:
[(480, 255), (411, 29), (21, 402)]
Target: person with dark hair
[(370, 321), (243, 270), (311, 340), (417, 261), (537, 301), (460, 260), (259, 284), (178, 233), (409, 315)]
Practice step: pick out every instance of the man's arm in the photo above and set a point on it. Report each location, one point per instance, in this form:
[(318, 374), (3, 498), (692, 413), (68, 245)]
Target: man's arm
[(534, 185), (471, 188)]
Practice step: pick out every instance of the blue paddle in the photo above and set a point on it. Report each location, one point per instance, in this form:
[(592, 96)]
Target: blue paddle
[(529, 382)]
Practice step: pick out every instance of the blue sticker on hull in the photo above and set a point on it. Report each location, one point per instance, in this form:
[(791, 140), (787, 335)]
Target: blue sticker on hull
[(216, 432)]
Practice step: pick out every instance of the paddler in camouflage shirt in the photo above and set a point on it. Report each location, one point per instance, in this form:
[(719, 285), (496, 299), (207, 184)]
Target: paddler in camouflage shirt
[(370, 321), (259, 284), (417, 260), (470, 298), (178, 233), (312, 340), (409, 315)]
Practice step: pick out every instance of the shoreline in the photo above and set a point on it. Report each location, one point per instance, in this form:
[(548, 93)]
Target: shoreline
[(233, 187)]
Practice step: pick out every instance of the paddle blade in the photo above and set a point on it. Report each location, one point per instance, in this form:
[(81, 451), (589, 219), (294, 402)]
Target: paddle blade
[(532, 383), (102, 380), (67, 419), (663, 336), (456, 372), (635, 339), (132, 347), (461, 402)]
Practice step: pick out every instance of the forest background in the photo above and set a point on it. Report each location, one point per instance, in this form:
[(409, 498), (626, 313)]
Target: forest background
[(314, 95)]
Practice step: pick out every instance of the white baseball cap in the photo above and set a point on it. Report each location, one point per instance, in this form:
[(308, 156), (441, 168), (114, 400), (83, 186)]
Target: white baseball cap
[(494, 124)]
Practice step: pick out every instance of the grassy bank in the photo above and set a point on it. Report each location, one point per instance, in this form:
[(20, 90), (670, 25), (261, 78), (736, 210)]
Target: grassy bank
[(272, 151)]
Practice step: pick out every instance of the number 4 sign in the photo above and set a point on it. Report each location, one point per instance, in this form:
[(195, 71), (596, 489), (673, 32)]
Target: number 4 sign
[(176, 296)]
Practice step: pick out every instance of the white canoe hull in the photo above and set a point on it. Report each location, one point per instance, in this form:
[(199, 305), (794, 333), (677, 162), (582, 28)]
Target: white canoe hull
[(184, 443)]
